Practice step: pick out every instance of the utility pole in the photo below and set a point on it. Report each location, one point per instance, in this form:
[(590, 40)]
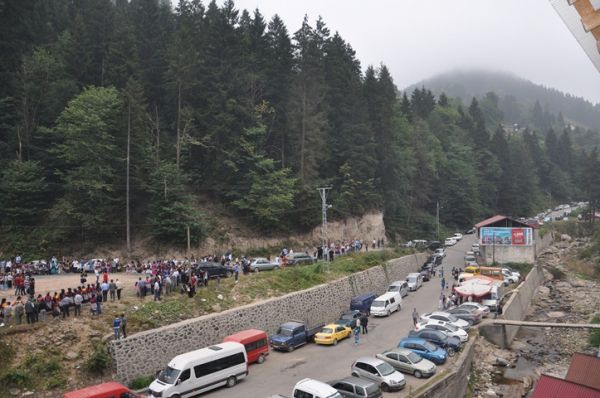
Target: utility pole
[(438, 219), (324, 207)]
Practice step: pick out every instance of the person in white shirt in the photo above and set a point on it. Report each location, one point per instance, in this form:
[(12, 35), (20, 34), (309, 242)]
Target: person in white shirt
[(78, 300)]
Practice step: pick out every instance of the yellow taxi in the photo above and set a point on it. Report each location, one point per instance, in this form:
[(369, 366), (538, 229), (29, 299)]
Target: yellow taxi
[(332, 333)]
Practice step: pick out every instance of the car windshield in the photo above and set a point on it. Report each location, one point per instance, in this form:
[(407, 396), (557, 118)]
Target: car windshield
[(414, 357), (429, 346), (411, 279), (327, 330), (378, 303), (169, 375), (385, 369), (284, 332), (394, 288)]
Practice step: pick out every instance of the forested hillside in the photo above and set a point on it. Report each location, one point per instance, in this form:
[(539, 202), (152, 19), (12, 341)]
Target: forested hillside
[(115, 116)]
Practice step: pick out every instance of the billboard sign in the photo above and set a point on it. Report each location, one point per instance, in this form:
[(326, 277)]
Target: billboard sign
[(506, 236)]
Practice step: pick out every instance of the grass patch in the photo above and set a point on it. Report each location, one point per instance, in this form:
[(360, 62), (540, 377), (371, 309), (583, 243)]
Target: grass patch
[(141, 382), (48, 364), (595, 333), (153, 314)]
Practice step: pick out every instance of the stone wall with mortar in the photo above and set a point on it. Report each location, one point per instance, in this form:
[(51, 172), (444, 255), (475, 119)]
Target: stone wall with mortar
[(147, 352)]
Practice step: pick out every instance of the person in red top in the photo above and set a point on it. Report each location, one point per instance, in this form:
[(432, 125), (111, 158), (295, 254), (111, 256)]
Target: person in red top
[(105, 277)]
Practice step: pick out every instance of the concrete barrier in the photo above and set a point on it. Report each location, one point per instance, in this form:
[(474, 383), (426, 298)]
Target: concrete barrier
[(321, 303), (454, 382), (515, 309)]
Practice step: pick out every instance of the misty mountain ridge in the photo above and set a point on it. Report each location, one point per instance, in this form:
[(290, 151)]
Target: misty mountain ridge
[(517, 96)]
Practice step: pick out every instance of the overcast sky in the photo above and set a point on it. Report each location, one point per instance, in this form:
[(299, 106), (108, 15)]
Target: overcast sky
[(417, 39)]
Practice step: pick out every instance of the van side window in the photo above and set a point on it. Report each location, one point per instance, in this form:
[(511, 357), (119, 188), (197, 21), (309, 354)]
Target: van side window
[(302, 394), (392, 301), (255, 345), (184, 375), (219, 364)]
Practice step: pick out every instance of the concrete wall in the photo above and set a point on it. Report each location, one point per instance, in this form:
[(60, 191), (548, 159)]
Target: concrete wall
[(508, 254), (544, 242), (147, 352), (454, 383), (515, 309)]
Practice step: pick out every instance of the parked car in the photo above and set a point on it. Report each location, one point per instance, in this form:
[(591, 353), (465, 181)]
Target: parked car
[(440, 252), (380, 372), (446, 327), (349, 318), (471, 316), (437, 260), (457, 236), (387, 303), (291, 335), (400, 287), (312, 388), (446, 317), (262, 264), (355, 387), (439, 338), (414, 280), (449, 242), (424, 349), (332, 333), (300, 258), (214, 269), (407, 361), (470, 231), (482, 309), (435, 244), (104, 390), (425, 274)]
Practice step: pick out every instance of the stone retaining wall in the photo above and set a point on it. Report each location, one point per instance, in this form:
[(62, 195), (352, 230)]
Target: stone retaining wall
[(147, 352)]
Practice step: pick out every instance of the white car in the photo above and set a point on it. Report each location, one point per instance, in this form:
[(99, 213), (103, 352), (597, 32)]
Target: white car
[(440, 252), (446, 317), (446, 327), (414, 280), (510, 277), (484, 310), (450, 242), (457, 236)]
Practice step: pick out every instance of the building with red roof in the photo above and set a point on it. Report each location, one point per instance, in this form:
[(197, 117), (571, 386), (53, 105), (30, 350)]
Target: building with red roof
[(553, 387), (585, 370)]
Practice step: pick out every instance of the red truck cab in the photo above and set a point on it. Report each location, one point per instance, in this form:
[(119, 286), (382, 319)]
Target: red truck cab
[(255, 341), (105, 390)]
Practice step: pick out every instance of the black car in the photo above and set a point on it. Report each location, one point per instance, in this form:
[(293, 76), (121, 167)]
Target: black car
[(439, 338), (426, 274), (214, 269), (437, 260), (434, 244), (300, 258), (349, 318)]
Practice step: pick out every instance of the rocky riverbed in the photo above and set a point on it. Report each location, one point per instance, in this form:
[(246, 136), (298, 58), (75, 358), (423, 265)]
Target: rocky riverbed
[(565, 297)]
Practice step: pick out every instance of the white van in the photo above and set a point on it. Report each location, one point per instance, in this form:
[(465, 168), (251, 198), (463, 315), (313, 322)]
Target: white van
[(387, 303), (314, 389), (415, 280), (492, 298), (202, 370), (400, 287)]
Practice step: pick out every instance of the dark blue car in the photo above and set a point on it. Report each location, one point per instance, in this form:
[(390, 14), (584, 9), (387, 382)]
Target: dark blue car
[(425, 349), (439, 338)]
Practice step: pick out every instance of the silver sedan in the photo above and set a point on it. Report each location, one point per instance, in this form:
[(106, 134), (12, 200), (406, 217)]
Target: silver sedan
[(262, 264)]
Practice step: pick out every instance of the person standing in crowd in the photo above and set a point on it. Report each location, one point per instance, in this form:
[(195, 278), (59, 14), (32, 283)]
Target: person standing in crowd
[(30, 310), (119, 286), (156, 290), (112, 290), (364, 322), (356, 334), (236, 272), (124, 326), (19, 310), (78, 300), (117, 327), (104, 288)]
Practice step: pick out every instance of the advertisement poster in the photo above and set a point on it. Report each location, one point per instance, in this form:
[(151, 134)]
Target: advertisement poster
[(506, 236)]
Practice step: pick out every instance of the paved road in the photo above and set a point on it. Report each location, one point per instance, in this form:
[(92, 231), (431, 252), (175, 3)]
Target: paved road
[(281, 371)]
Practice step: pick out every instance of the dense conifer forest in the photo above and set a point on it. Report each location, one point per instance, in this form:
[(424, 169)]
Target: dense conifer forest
[(116, 116)]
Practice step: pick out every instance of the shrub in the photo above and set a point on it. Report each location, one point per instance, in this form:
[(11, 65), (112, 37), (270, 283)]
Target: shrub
[(17, 377), (140, 382), (99, 361)]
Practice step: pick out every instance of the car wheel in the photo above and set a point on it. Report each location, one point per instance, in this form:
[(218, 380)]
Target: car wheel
[(418, 374), (175, 396), (231, 381), (388, 312), (450, 351), (334, 341), (354, 374), (276, 267), (291, 348), (384, 387), (261, 359), (255, 269)]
